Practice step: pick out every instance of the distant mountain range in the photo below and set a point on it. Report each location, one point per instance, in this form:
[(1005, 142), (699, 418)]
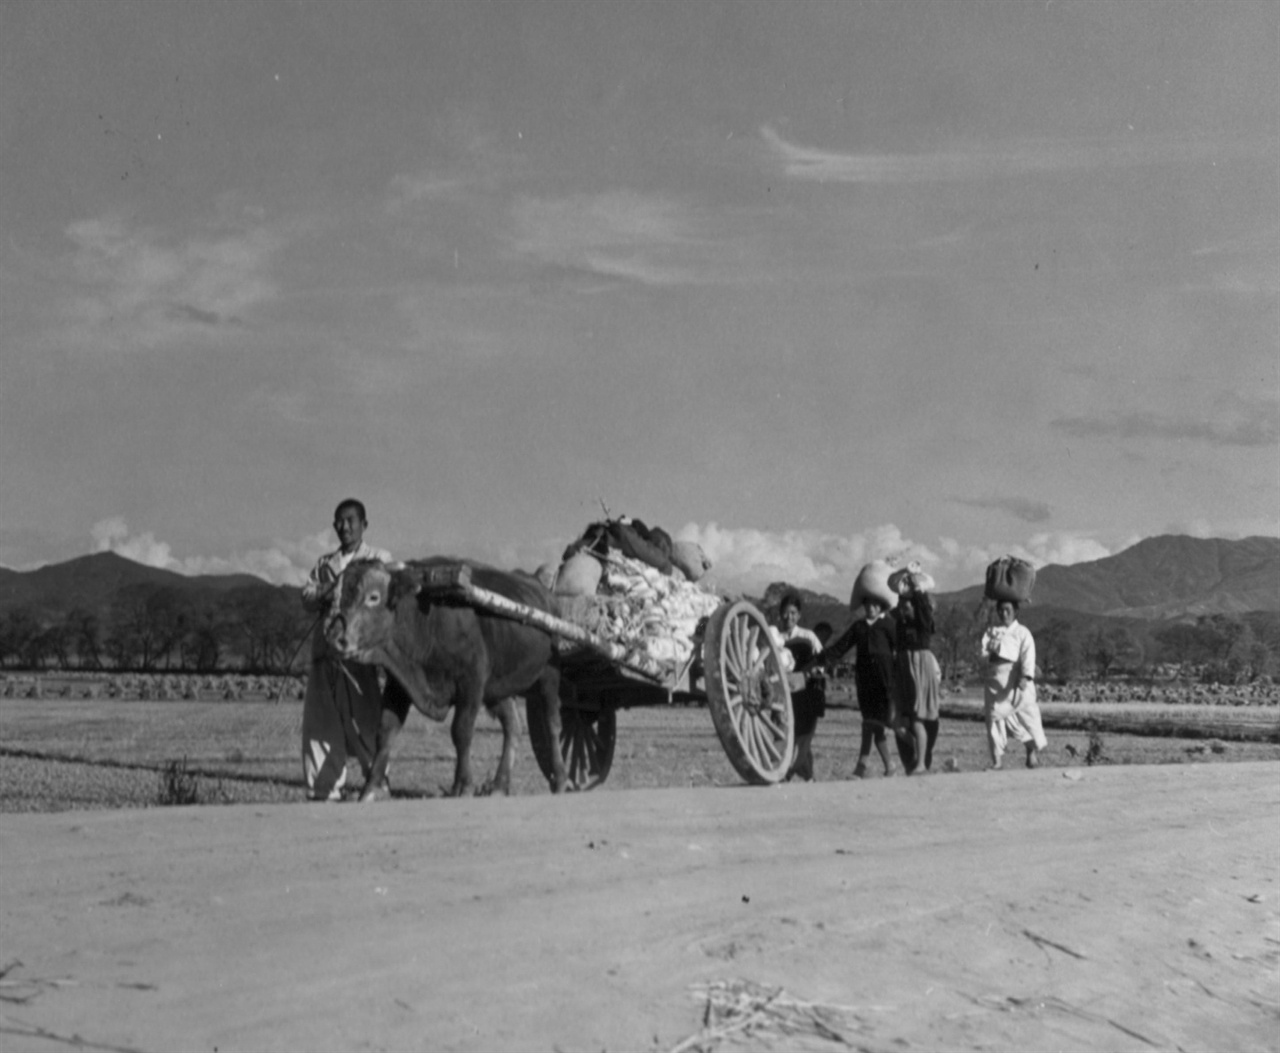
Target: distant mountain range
[(1163, 577), (1156, 579), (90, 582)]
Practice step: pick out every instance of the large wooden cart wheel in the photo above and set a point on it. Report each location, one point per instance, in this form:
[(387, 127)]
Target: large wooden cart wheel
[(747, 693), (587, 737)]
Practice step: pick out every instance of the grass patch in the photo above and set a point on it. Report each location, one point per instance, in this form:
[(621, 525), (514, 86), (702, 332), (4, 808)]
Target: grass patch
[(178, 786), (1096, 753)]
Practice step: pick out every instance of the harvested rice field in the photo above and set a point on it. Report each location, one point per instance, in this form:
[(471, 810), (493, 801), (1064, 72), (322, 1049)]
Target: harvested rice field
[(60, 754)]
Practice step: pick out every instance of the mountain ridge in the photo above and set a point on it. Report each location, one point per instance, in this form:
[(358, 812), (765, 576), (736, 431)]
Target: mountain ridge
[(1158, 578), (91, 581), (1161, 578)]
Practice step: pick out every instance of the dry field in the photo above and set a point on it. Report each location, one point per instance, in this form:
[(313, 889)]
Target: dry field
[(1130, 904), (59, 753)]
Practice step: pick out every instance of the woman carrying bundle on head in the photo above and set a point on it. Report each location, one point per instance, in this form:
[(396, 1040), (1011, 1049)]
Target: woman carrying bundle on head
[(919, 677), (1009, 695), (874, 637)]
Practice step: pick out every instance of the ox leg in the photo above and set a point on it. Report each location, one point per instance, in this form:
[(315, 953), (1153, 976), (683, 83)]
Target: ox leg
[(395, 708), (462, 730), (549, 685), (500, 782)]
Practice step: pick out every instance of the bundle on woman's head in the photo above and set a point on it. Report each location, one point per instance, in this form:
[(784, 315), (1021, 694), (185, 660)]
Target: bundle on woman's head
[(1010, 578), (872, 583), (911, 578)]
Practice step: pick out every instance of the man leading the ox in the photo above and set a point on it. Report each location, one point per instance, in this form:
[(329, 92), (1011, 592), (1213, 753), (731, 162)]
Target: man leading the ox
[(342, 714)]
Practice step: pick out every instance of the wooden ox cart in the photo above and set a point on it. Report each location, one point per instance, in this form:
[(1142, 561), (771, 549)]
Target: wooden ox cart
[(735, 667)]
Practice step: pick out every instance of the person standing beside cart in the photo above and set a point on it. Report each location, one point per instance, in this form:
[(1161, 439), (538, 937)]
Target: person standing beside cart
[(342, 711), (808, 703)]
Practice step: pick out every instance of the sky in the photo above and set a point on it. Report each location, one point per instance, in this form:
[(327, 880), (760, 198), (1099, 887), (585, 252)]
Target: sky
[(808, 283)]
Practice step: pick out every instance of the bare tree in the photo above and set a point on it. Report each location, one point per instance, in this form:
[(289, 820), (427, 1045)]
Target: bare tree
[(55, 644), (1058, 649), (956, 630), (1111, 646), (146, 624), (20, 639), (208, 631), (270, 623), (1182, 643), (84, 631)]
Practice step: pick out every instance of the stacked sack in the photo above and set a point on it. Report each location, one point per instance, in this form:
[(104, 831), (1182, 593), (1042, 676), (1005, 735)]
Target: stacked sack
[(579, 575), (689, 558)]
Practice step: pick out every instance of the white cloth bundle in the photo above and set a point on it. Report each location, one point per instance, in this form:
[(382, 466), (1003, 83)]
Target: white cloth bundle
[(644, 610)]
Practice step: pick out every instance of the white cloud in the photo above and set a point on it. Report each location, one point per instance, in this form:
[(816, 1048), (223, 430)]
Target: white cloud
[(618, 234), (285, 563), (130, 289), (1028, 157), (112, 535), (964, 565), (1062, 548), (409, 190), (1260, 526), (748, 560)]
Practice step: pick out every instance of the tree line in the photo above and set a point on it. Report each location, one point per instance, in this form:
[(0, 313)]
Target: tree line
[(159, 628), (263, 629), (1214, 648)]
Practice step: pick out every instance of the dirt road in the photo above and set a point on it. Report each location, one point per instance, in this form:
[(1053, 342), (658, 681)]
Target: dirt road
[(1116, 908)]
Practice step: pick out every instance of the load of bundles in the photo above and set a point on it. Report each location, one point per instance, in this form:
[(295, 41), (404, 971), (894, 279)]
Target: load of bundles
[(884, 581), (911, 578), (1010, 578), (650, 545), (632, 585), (872, 583)]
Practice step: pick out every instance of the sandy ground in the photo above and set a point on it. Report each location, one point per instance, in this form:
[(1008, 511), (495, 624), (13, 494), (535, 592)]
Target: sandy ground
[(1088, 908)]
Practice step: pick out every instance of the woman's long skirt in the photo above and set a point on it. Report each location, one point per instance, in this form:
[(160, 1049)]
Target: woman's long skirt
[(920, 684)]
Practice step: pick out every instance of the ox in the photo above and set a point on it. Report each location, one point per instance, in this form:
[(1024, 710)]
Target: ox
[(445, 653)]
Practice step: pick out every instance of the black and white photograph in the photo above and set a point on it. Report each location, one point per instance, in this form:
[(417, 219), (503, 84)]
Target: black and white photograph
[(639, 525)]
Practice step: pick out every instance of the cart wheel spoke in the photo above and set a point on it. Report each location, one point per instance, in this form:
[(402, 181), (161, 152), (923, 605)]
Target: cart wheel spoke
[(753, 742), (765, 749), (775, 729), (747, 692), (586, 742)]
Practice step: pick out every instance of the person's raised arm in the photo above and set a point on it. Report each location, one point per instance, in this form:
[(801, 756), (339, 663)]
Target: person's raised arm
[(834, 651), (925, 610)]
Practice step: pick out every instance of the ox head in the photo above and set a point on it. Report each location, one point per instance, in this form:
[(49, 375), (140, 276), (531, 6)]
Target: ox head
[(363, 619)]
